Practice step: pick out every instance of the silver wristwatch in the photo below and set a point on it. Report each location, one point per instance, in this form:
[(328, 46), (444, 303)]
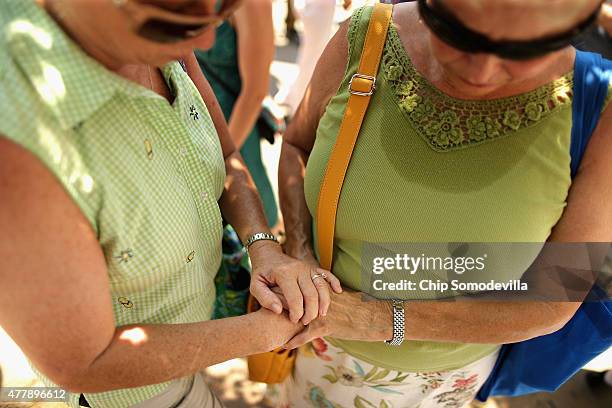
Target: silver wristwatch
[(260, 236), (398, 323)]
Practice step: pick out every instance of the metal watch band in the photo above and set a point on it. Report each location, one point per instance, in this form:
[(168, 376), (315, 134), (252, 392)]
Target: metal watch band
[(398, 323), (259, 237)]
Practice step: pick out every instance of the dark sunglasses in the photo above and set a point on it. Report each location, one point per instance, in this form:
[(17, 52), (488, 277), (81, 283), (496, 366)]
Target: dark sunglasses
[(172, 24), (450, 30)]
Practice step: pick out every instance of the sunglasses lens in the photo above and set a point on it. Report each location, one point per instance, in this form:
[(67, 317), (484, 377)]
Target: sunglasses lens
[(167, 32), (458, 36)]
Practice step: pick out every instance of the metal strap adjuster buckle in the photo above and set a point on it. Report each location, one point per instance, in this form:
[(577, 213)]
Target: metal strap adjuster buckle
[(366, 77)]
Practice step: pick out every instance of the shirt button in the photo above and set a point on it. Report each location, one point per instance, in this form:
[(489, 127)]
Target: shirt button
[(204, 195), (183, 152)]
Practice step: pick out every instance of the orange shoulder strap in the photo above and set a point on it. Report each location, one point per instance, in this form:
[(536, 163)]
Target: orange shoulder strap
[(362, 86)]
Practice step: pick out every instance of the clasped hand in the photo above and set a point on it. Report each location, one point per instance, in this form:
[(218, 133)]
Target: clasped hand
[(305, 298), (281, 282)]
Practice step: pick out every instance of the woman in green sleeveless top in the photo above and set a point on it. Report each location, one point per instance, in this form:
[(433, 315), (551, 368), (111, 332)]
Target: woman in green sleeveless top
[(456, 146), (237, 67)]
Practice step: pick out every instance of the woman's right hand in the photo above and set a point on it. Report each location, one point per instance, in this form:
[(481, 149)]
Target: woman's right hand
[(308, 298)]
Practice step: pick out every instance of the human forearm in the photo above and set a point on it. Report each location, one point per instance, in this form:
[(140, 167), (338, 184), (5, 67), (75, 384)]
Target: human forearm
[(244, 115), (352, 317), (298, 222), (255, 48), (240, 202), (477, 322), (148, 354)]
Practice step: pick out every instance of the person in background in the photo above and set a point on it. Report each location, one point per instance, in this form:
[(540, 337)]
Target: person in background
[(290, 32), (115, 167), (237, 67), (317, 17)]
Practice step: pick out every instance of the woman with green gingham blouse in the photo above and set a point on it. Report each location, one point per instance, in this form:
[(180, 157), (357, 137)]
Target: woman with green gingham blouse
[(115, 167)]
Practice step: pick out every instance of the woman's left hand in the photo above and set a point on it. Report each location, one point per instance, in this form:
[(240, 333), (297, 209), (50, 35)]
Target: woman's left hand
[(350, 317)]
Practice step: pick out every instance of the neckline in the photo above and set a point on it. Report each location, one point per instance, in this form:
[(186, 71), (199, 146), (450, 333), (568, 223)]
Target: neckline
[(400, 51), (448, 123)]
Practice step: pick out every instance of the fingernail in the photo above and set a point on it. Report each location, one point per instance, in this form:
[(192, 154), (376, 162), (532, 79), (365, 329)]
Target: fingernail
[(277, 308)]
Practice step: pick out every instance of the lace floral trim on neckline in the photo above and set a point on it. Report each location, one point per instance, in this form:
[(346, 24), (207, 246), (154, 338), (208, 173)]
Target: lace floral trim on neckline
[(447, 123)]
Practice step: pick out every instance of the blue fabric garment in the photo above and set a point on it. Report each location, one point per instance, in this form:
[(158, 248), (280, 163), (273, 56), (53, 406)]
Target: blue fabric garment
[(592, 75), (546, 362)]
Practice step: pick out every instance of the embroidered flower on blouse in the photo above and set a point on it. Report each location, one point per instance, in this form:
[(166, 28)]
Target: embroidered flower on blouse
[(445, 131), (405, 89), (533, 111), (410, 103), (479, 128), (425, 110), (512, 119), (125, 255), (394, 72), (193, 112)]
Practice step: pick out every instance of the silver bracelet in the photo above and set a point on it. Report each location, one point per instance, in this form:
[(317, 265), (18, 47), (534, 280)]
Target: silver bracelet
[(260, 236), (398, 323)]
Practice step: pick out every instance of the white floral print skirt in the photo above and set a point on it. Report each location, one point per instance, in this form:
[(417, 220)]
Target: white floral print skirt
[(325, 376)]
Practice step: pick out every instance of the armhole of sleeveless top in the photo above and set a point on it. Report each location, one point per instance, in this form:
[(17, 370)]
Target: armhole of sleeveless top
[(70, 186), (24, 133), (357, 29)]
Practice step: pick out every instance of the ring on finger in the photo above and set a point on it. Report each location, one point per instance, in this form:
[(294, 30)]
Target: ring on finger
[(318, 275)]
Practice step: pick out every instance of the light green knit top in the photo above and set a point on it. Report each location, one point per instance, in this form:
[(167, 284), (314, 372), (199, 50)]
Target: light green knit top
[(431, 168), (146, 174)]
